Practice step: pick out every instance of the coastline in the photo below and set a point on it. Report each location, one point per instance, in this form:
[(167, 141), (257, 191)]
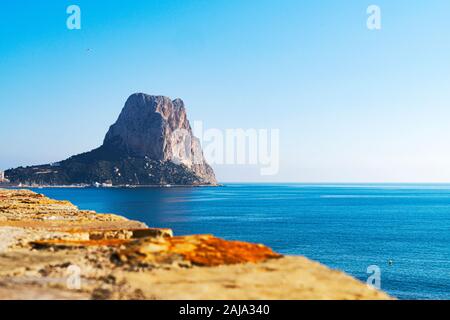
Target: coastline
[(117, 258), (75, 186)]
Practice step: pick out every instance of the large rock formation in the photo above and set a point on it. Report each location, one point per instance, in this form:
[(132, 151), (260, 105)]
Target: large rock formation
[(151, 143)]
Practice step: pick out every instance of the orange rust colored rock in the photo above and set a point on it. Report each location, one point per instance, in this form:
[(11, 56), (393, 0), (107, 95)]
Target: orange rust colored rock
[(200, 250)]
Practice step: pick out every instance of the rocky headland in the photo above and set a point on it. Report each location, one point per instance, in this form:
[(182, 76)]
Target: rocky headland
[(50, 249), (151, 143)]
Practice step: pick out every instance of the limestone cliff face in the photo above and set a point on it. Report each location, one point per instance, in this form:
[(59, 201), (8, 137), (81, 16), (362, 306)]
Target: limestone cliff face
[(151, 143), (146, 125), (157, 127)]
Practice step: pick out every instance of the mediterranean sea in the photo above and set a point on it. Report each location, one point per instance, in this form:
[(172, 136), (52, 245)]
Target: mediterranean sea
[(404, 229)]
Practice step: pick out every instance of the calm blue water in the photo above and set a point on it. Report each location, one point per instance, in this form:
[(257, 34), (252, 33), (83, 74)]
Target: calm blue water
[(347, 227)]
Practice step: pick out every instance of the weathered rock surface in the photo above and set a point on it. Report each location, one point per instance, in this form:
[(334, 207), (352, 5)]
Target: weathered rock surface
[(45, 243), (199, 250), (151, 143)]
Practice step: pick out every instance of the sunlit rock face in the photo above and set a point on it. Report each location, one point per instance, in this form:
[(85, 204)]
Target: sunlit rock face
[(151, 143), (157, 127)]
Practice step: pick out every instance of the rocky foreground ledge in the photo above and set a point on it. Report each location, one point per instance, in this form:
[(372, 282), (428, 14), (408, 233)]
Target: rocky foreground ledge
[(50, 249)]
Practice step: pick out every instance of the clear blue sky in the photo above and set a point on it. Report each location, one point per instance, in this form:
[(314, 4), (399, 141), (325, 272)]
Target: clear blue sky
[(352, 105)]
